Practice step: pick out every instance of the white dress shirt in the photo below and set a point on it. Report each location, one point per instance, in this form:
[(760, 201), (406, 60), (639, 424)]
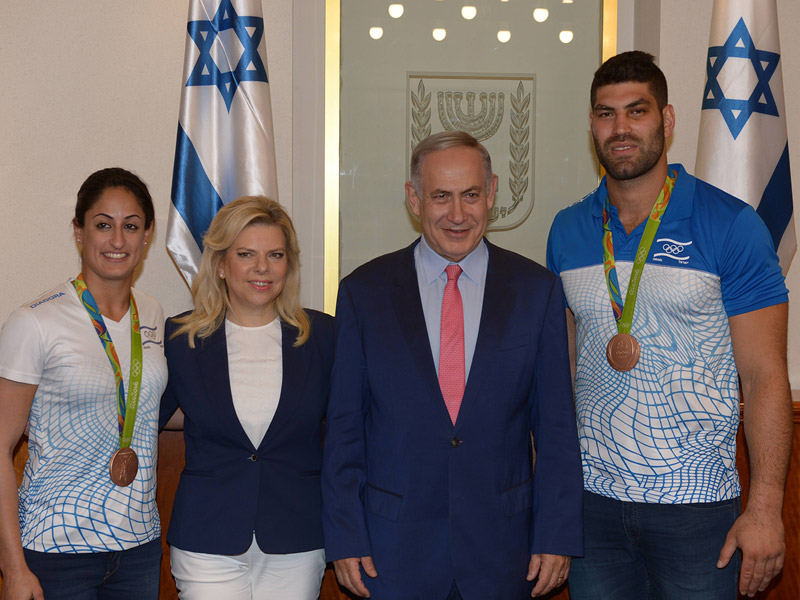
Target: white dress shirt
[(432, 278)]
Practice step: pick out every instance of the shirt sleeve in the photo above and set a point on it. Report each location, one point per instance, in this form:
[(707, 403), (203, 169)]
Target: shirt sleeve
[(169, 400), (553, 251), (22, 348), (551, 260), (750, 274)]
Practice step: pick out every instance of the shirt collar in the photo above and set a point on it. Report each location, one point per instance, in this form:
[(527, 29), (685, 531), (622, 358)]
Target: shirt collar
[(680, 202), (474, 264)]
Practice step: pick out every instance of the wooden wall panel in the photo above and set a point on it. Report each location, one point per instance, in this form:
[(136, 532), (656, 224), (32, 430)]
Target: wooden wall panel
[(785, 587), (170, 464)]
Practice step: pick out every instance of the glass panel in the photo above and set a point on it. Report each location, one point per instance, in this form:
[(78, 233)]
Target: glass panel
[(515, 74)]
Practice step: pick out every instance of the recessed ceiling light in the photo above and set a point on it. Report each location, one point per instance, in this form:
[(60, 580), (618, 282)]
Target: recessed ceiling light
[(540, 15)]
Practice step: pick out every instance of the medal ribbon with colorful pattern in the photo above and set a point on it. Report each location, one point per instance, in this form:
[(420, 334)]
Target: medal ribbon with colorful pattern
[(126, 411), (624, 316)]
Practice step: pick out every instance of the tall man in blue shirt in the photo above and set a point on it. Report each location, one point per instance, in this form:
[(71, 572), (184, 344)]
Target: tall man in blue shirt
[(673, 289), (450, 354)]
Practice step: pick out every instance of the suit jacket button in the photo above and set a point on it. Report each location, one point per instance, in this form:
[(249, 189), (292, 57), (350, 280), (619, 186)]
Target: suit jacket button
[(254, 458), (455, 442)]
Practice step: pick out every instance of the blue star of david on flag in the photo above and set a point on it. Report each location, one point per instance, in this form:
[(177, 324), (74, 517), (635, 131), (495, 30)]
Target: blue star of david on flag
[(735, 111), (250, 67)]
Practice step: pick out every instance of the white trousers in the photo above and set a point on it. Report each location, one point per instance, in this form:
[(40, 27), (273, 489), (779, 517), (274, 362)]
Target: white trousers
[(249, 576)]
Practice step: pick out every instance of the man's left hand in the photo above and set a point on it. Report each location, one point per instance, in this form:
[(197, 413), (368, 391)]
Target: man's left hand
[(760, 536), (551, 571)]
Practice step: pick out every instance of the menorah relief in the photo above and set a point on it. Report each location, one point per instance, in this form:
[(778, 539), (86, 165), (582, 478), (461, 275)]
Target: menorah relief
[(476, 104), (481, 126)]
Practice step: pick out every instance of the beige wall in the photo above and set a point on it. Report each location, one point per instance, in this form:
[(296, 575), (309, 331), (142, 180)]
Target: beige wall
[(94, 84), (90, 84)]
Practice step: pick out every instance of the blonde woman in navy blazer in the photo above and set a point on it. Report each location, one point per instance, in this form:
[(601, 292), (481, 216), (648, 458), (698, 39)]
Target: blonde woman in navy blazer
[(246, 518)]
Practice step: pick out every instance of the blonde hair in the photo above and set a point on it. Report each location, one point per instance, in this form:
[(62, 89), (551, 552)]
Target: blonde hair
[(210, 292)]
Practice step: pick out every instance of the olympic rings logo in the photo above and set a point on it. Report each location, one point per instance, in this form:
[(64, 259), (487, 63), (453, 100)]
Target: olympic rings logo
[(151, 333), (673, 248)]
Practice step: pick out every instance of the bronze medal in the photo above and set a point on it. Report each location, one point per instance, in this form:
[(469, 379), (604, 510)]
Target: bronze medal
[(123, 466), (622, 352)]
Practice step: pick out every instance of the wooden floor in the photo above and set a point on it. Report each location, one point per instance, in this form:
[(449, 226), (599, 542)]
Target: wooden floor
[(785, 587)]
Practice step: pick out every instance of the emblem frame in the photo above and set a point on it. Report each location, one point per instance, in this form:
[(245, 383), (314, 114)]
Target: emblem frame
[(436, 102)]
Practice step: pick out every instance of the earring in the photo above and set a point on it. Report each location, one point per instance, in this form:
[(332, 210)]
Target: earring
[(221, 275)]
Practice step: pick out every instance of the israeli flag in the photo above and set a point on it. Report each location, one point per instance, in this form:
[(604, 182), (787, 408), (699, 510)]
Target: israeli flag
[(225, 147), (743, 146)]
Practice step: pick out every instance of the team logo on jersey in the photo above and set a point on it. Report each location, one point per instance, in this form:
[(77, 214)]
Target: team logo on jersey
[(150, 335), (675, 250)]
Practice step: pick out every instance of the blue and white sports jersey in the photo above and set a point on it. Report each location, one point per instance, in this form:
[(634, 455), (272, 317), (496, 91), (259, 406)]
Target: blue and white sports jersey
[(664, 432), (67, 502)]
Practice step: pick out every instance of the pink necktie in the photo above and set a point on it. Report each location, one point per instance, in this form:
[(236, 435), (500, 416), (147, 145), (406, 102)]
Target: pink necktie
[(451, 344)]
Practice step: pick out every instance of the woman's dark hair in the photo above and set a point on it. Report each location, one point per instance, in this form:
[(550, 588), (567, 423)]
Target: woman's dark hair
[(113, 177)]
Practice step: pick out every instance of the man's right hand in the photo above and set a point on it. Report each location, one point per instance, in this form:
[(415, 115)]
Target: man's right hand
[(349, 574), (21, 586)]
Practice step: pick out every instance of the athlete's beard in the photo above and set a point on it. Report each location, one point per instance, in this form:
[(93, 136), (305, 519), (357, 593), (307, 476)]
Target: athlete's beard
[(625, 168)]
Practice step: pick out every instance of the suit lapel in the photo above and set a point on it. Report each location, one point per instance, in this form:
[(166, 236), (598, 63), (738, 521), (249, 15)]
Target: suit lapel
[(408, 308), (293, 383), (212, 359), (498, 300)]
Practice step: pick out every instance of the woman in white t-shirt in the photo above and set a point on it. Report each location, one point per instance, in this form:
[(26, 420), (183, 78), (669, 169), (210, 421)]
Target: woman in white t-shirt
[(250, 369), (83, 368)]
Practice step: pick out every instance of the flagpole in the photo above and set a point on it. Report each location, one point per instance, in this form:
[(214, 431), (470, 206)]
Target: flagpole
[(331, 227)]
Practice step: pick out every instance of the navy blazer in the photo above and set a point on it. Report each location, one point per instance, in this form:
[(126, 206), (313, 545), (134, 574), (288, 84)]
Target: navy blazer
[(434, 502), (229, 488)]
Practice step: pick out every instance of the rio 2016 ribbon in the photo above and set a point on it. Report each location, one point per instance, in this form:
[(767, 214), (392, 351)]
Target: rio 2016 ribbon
[(622, 351), (124, 463)]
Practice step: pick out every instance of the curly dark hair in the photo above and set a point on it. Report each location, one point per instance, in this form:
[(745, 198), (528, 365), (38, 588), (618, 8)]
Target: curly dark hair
[(635, 66)]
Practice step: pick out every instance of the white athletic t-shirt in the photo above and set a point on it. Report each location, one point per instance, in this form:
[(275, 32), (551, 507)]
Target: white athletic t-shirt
[(67, 502)]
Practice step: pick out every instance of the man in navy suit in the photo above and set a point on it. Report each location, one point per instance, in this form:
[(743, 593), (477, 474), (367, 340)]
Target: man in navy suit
[(441, 376)]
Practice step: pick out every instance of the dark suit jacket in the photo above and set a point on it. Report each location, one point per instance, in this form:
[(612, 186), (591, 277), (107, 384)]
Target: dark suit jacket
[(229, 488), (429, 501)]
